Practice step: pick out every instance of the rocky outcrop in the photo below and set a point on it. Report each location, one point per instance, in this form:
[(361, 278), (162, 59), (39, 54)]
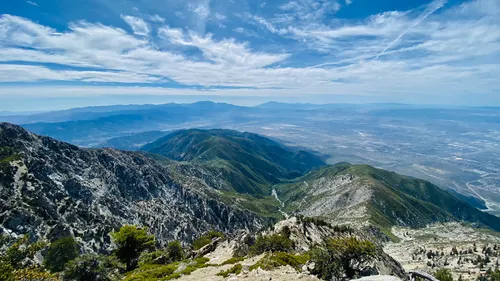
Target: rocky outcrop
[(307, 233), (50, 189)]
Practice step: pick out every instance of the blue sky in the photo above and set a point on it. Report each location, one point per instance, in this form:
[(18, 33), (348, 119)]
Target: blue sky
[(84, 52)]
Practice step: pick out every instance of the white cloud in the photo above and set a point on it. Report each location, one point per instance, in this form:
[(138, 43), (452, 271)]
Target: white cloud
[(224, 52), (310, 10), (432, 8), (30, 73), (451, 51), (220, 17), (32, 3), (138, 25), (157, 18), (201, 9), (348, 2)]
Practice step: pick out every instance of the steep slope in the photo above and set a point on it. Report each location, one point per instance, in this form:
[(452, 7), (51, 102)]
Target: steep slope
[(251, 163), (49, 189), (361, 193)]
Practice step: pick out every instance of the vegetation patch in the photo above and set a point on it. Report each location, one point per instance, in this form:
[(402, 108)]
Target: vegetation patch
[(198, 263), (272, 243), (338, 255), (278, 259), (206, 238), (131, 241), (152, 272), (60, 253), (233, 260), (236, 269)]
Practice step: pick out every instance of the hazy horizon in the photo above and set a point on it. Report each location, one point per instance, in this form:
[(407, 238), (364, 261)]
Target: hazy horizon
[(20, 104)]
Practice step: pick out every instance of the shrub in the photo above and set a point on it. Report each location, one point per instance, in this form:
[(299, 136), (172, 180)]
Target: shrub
[(6, 271), (236, 269), (206, 238), (175, 251), (131, 241), (271, 243), (197, 263), (22, 250), (274, 260), (233, 260), (61, 252), (152, 257), (154, 272), (91, 267), (443, 275), (33, 274), (338, 254)]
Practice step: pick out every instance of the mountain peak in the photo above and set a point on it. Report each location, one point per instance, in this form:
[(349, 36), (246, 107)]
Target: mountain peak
[(362, 193), (251, 162)]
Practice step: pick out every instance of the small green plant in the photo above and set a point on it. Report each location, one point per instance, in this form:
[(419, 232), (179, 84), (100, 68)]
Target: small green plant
[(206, 238), (271, 243), (91, 267), (6, 271), (131, 241), (233, 260), (22, 249), (275, 260), (197, 263), (175, 251), (34, 274), (337, 255), (153, 257), (235, 269), (61, 252), (443, 274), (154, 272)]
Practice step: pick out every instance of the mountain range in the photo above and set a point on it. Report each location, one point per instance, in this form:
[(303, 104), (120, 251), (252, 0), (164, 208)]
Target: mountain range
[(191, 181)]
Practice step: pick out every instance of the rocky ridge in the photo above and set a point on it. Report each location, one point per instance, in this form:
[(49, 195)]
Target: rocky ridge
[(50, 189)]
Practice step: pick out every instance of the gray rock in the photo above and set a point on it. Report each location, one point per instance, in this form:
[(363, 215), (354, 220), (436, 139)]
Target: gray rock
[(53, 189)]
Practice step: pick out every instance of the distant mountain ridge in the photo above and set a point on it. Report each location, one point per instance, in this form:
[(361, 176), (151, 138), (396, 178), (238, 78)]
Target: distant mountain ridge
[(251, 163)]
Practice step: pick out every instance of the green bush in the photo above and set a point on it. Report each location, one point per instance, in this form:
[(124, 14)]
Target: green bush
[(91, 267), (336, 257), (236, 269), (154, 272), (33, 274), (175, 251), (61, 252), (443, 275), (22, 249), (233, 260), (152, 257), (206, 238), (6, 271), (131, 241), (271, 243), (275, 260), (197, 263)]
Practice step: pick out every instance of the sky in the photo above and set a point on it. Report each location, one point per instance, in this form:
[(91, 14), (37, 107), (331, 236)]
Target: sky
[(57, 53)]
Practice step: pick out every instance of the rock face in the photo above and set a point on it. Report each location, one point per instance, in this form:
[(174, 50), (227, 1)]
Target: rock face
[(50, 189), (307, 233), (361, 194)]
